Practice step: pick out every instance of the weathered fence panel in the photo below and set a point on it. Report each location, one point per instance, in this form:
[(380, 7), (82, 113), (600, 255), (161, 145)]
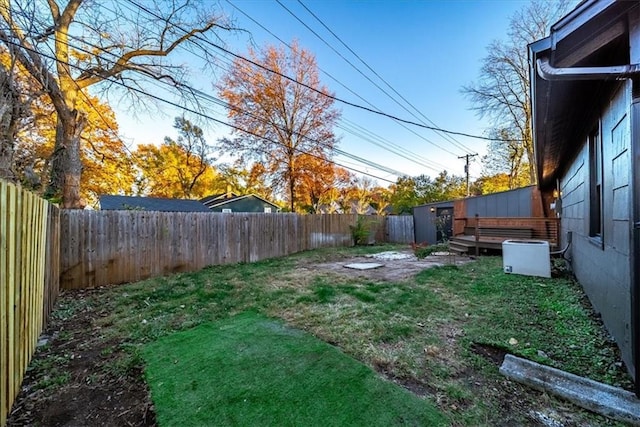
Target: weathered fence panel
[(28, 282), (112, 247), (399, 229)]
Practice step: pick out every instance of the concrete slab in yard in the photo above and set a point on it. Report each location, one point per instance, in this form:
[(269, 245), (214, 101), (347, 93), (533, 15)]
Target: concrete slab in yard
[(364, 265), (601, 398), (391, 255)]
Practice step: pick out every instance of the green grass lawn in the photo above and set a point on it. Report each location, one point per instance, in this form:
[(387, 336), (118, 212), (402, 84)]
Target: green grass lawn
[(252, 371), (422, 332)]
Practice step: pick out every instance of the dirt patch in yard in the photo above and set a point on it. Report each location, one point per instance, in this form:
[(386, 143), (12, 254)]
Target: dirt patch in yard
[(396, 265), (79, 378)]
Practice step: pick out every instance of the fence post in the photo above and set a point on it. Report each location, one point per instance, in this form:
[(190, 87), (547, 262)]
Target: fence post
[(477, 234)]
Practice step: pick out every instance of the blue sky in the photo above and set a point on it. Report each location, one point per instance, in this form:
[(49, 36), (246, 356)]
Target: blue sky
[(425, 50)]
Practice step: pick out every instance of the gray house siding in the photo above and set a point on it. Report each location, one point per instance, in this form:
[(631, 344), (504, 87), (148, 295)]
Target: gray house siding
[(245, 204), (603, 266), (513, 203)]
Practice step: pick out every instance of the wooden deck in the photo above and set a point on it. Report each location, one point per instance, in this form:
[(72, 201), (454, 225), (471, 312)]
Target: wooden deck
[(475, 235)]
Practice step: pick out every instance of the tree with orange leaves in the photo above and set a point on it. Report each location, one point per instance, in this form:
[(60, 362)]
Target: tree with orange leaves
[(320, 183), (278, 120)]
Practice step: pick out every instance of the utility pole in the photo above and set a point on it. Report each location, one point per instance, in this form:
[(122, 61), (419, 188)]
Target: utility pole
[(466, 169)]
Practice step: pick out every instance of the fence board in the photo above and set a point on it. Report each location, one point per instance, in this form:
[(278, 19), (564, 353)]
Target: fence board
[(51, 262), (29, 282)]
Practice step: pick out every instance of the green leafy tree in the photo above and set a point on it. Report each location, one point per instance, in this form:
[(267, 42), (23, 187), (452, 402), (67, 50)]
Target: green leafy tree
[(448, 187), (408, 192), (404, 195)]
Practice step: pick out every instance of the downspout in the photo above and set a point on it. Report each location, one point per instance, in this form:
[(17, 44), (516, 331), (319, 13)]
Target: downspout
[(617, 72)]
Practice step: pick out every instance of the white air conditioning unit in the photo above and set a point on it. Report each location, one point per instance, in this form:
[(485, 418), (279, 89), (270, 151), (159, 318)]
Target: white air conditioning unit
[(527, 257)]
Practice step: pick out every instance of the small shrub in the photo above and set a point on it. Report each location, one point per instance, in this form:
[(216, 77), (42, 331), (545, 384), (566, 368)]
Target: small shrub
[(424, 250), (360, 232)]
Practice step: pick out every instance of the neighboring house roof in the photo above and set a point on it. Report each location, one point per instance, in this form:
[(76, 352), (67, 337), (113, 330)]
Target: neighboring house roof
[(108, 202), (335, 207), (220, 196), (329, 208), (365, 208), (595, 34), (220, 200)]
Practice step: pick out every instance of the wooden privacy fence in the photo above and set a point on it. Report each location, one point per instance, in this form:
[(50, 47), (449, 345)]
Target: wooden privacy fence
[(112, 247), (389, 229), (400, 229), (29, 253)]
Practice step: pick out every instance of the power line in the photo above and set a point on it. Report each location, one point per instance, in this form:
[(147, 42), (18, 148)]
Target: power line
[(224, 104), (357, 158), (454, 141), (414, 155), (411, 156), (201, 114), (351, 104), (359, 71)]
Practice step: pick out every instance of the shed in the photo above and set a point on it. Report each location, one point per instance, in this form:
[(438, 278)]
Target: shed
[(438, 221)]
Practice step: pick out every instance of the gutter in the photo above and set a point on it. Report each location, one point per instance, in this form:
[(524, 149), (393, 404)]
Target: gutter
[(617, 72)]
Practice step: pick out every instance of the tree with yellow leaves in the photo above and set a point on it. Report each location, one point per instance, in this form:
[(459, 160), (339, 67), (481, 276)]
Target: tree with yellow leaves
[(68, 46), (104, 157), (178, 168), (27, 133)]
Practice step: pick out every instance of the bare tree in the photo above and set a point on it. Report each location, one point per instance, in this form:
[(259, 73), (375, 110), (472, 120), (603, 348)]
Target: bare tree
[(501, 93), (69, 47), (278, 120), (506, 156)]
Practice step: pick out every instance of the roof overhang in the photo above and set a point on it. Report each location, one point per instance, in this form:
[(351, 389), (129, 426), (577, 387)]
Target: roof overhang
[(566, 107)]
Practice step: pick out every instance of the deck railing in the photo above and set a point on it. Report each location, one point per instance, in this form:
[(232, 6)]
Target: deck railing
[(509, 227)]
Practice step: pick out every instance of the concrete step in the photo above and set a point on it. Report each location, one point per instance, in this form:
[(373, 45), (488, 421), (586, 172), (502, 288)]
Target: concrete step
[(462, 242), (459, 248)]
